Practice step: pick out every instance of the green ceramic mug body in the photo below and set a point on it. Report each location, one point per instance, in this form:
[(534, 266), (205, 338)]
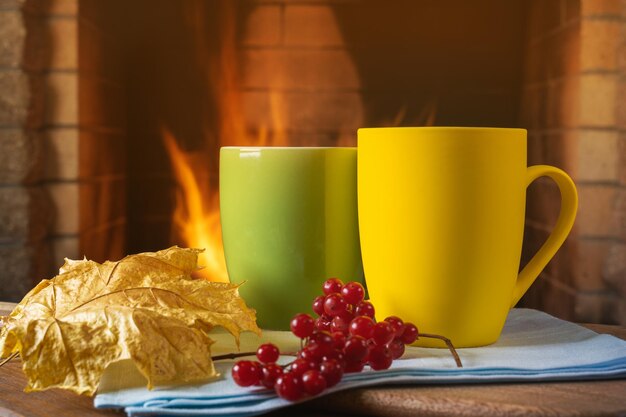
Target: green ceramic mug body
[(289, 222)]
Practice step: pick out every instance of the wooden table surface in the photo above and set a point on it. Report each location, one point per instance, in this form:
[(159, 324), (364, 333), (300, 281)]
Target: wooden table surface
[(593, 398)]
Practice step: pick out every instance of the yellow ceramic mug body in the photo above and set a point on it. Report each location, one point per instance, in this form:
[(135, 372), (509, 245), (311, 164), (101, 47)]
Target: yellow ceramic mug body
[(441, 219)]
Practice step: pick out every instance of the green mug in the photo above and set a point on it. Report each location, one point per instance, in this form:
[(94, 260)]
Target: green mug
[(289, 222)]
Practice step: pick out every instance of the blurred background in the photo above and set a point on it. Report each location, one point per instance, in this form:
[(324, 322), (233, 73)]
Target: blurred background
[(112, 114)]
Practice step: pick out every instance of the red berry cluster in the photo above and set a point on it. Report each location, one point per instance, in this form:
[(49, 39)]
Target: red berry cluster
[(343, 338)]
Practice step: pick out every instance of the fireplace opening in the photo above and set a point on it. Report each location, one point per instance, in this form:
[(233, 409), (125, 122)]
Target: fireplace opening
[(127, 104)]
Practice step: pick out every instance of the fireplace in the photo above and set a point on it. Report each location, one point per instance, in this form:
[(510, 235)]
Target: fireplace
[(112, 115)]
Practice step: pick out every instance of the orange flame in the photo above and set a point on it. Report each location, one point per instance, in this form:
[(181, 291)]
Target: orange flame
[(196, 215)]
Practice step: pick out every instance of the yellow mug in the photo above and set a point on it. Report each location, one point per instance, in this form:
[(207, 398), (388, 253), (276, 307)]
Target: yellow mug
[(441, 221)]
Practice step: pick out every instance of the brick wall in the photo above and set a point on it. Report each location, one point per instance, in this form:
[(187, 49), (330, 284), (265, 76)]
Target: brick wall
[(298, 76), (58, 122), (24, 204), (573, 105)]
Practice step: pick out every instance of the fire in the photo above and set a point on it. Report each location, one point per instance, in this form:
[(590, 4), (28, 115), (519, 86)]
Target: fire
[(196, 215)]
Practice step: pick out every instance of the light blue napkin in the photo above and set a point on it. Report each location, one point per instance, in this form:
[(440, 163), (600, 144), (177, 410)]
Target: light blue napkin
[(534, 346)]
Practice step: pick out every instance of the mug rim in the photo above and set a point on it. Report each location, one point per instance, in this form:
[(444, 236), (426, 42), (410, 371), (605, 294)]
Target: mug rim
[(472, 128), (286, 147)]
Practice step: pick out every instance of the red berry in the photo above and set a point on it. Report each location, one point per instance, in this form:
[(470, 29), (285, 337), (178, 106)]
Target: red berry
[(362, 326), (247, 373), (365, 308), (339, 340), (302, 325), (397, 348), (271, 372), (322, 342), (356, 366), (353, 293), (409, 334), (397, 324), (267, 353), (300, 366), (355, 349), (311, 354), (313, 382), (289, 387), (383, 333), (318, 305), (332, 371), (335, 305), (322, 323), (340, 323), (332, 285), (379, 358)]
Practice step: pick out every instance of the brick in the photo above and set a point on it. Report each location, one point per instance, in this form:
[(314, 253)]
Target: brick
[(331, 111), (535, 148), (588, 259), (562, 55), (61, 153), (560, 150), (38, 101), (600, 41), (563, 103), (302, 69), (20, 157), (263, 26), (620, 213), (12, 38), (543, 202), (544, 17), (11, 4), (621, 146), (65, 200), (572, 10), (14, 100), (551, 296), (534, 61), (64, 247), (620, 111), (615, 267), (621, 51), (595, 308), (598, 156), (25, 213), (601, 8), (312, 25), (62, 43), (533, 107), (598, 99), (619, 315), (58, 8), (22, 267), (36, 51), (596, 211), (61, 99)]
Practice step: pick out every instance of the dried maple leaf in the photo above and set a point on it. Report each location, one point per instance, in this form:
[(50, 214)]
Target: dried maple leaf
[(145, 307)]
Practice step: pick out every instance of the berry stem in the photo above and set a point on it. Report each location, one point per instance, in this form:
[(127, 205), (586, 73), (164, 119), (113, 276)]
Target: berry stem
[(242, 354), (448, 343), (9, 358)]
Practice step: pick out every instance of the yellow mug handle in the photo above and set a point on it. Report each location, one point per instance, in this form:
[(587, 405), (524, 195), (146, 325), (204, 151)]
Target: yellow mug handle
[(567, 214)]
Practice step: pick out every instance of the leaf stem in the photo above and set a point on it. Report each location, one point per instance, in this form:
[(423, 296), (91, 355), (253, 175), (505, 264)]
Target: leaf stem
[(448, 343), (9, 358)]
